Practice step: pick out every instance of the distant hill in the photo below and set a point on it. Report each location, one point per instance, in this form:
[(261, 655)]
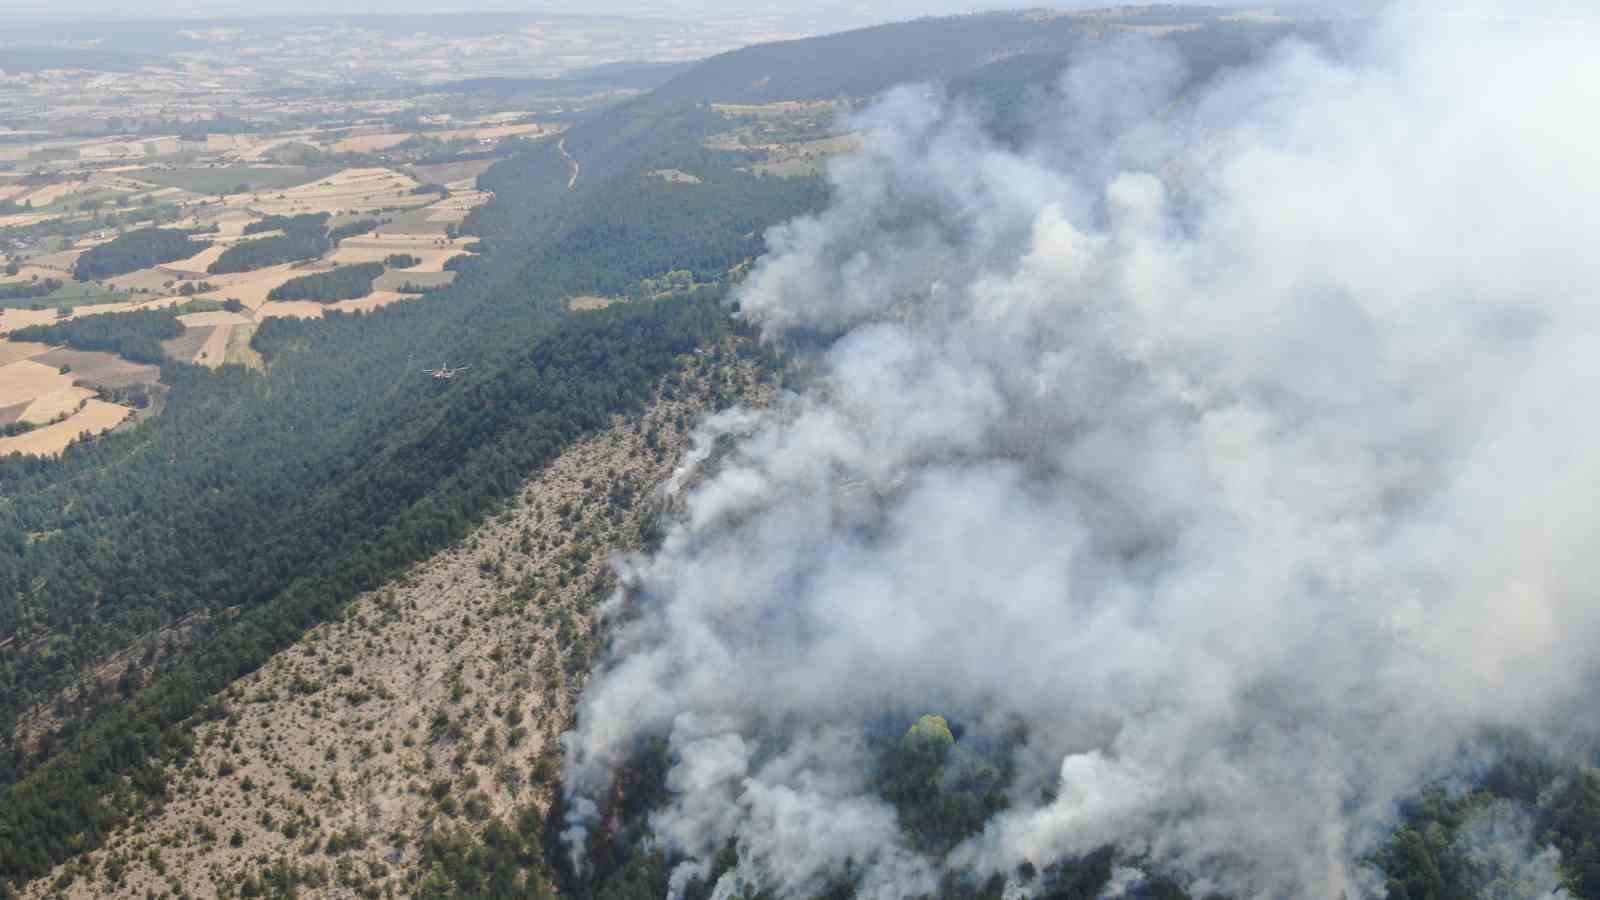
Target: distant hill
[(942, 49), (635, 76)]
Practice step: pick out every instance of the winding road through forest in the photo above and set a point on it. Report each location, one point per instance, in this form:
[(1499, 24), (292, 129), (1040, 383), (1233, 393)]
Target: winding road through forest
[(576, 168)]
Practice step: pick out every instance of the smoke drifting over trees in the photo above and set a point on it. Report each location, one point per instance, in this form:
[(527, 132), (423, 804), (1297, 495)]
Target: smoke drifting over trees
[(1223, 456)]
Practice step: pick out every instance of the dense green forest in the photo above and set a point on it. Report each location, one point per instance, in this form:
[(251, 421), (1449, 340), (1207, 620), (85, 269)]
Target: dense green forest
[(351, 229), (134, 335), (293, 246), (304, 221), (343, 283), (135, 250), (304, 237)]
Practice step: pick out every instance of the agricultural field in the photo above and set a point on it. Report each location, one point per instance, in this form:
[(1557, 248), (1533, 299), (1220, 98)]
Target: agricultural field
[(226, 179), (95, 417), (793, 138), (54, 390), (220, 198), (260, 120)]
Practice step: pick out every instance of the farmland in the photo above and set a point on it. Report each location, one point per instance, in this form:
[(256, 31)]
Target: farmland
[(226, 179), (121, 208), (375, 180)]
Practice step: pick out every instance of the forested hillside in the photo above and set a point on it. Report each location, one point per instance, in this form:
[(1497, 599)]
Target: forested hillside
[(299, 541), (947, 49), (256, 505)]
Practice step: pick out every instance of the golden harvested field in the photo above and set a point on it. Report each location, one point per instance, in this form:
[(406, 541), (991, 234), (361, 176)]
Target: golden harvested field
[(230, 223), (27, 380), (217, 143), (370, 143), (591, 302), (19, 220), (455, 207), (50, 193), (351, 189), (219, 317), (297, 309), (96, 417), (214, 352), (206, 337), (496, 132), (12, 351), (29, 273), (55, 403), (198, 263), (447, 173), (123, 306), (114, 150), (12, 319), (361, 251), (251, 288), (375, 247), (310, 309), (372, 301)]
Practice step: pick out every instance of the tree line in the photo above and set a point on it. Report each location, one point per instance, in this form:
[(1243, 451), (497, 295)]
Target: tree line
[(136, 335), (342, 283), (135, 250)]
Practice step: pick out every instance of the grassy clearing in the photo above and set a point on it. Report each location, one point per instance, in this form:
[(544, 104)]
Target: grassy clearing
[(239, 350), (444, 173), (590, 303), (395, 279), (71, 294)]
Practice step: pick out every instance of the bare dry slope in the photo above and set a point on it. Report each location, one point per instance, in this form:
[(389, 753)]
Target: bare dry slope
[(437, 701)]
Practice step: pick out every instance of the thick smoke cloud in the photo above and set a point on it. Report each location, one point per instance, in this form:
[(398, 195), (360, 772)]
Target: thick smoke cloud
[(1234, 444)]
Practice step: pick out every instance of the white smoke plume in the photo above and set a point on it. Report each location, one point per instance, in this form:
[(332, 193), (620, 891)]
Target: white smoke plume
[(1234, 443)]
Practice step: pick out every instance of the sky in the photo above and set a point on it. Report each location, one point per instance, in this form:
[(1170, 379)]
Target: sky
[(640, 8), (846, 12)]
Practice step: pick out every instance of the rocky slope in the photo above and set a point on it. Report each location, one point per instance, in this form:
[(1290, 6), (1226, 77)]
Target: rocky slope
[(437, 702)]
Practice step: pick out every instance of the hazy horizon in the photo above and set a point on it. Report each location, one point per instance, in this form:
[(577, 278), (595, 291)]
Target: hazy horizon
[(842, 14)]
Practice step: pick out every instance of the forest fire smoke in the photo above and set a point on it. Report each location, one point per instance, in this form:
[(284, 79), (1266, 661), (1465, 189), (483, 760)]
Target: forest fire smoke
[(1221, 451)]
